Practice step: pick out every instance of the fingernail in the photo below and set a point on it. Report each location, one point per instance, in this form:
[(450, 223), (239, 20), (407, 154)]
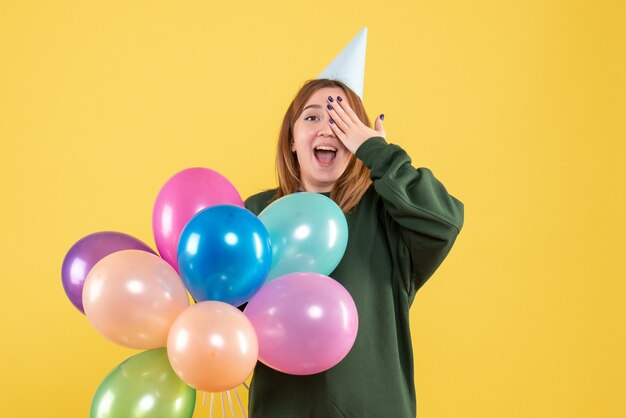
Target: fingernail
[(382, 117), (330, 99), (339, 98), (329, 107), (331, 120)]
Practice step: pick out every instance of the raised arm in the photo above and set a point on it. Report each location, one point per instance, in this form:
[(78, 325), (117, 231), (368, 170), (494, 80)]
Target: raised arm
[(427, 216)]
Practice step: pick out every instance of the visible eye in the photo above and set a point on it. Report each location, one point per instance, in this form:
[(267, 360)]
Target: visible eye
[(309, 117)]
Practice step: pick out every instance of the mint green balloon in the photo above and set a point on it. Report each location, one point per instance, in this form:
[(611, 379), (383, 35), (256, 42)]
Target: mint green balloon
[(308, 233), (144, 386)]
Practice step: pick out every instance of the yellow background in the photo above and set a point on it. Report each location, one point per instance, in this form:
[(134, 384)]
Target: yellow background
[(518, 108)]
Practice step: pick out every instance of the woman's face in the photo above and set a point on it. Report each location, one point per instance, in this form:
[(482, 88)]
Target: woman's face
[(322, 156)]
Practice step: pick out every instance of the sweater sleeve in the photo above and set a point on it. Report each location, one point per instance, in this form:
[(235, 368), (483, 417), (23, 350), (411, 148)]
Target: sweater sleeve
[(427, 217)]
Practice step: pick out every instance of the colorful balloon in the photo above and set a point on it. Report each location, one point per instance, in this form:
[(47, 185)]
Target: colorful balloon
[(133, 297), (308, 232), (224, 254), (212, 346), (183, 195), (85, 253), (144, 386), (306, 323)]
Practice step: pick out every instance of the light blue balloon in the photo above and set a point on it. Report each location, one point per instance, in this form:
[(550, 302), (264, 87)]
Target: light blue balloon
[(224, 254), (308, 232)]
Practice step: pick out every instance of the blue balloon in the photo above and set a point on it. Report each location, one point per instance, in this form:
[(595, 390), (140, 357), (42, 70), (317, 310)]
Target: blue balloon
[(224, 254)]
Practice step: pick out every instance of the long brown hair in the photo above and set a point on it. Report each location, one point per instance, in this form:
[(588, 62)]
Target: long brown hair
[(352, 184)]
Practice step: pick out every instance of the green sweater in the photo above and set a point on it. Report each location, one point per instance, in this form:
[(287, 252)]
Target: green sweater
[(399, 234)]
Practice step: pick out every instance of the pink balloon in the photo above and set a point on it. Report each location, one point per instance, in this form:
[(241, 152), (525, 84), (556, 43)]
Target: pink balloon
[(306, 323), (133, 297), (183, 195)]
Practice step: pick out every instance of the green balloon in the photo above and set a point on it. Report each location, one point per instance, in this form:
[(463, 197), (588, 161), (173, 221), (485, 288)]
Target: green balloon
[(144, 386)]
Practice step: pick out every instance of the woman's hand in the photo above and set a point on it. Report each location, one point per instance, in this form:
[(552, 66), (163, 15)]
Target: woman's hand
[(347, 125)]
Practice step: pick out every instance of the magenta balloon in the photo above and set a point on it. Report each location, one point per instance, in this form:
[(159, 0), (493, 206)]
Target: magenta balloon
[(183, 195), (306, 323), (85, 253)]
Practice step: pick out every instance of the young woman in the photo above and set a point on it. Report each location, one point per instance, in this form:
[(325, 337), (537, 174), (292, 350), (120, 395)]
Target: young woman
[(402, 223)]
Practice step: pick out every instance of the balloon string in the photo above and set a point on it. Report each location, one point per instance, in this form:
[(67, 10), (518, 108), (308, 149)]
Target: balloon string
[(240, 405), (204, 399), (211, 408), (223, 409), (246, 386), (230, 402)]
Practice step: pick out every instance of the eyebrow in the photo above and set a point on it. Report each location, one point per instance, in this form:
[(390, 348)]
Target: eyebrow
[(312, 105)]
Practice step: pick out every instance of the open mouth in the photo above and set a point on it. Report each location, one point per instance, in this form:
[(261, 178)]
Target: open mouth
[(324, 154)]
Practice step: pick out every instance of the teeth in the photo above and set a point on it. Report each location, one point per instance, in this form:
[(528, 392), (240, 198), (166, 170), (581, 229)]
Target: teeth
[(326, 148)]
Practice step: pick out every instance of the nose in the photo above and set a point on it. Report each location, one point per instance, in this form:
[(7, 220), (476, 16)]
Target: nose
[(326, 130)]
